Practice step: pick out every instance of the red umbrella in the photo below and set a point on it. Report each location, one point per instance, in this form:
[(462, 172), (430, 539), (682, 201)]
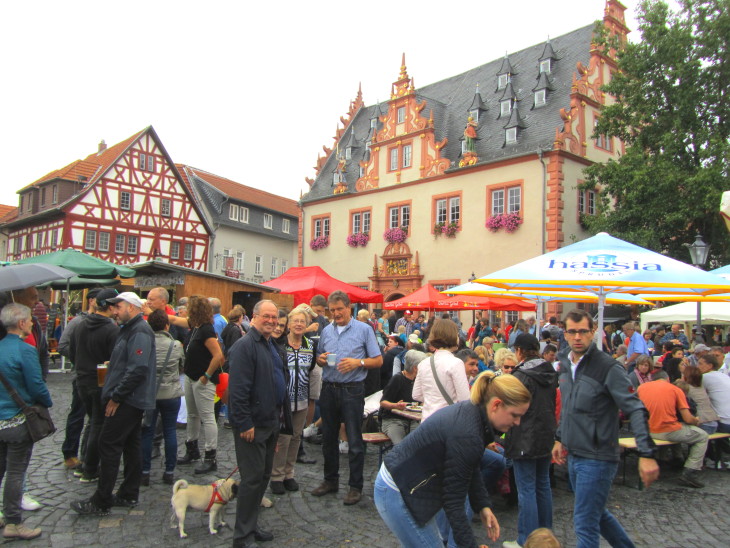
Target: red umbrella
[(424, 298), (303, 282), (466, 302)]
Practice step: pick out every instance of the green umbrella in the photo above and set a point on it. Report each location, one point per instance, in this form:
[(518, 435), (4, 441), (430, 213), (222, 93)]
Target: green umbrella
[(82, 264), (81, 283)]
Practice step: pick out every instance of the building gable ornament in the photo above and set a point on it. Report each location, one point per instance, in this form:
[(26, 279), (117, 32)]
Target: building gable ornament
[(398, 270)]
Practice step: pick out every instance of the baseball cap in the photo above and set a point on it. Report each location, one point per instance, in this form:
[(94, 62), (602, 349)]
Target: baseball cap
[(127, 296), (104, 294), (93, 293), (413, 338), (525, 341), (701, 348), (408, 313)]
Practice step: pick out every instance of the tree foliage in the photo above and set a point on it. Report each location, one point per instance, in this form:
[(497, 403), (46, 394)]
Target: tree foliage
[(672, 113)]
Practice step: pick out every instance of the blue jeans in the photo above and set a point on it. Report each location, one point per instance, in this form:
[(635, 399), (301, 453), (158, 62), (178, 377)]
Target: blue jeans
[(342, 404), (532, 477), (399, 520), (447, 534), (492, 467), (591, 481), (16, 447), (168, 410)]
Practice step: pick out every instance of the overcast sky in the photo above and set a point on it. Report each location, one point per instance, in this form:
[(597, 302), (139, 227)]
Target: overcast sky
[(246, 90)]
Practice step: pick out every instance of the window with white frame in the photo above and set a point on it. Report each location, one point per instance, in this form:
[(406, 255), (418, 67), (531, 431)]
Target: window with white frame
[(361, 172), (125, 200), (587, 202), (348, 153), (463, 146), (399, 216), (43, 196), (361, 222), (336, 178), (540, 97), (165, 207), (240, 260), (142, 161), (90, 239), (407, 155), (474, 113), (243, 214), (602, 140), (545, 66), (55, 194), (120, 243), (322, 227), (175, 250), (401, 115), (497, 202), (233, 212), (505, 107), (511, 316), (132, 245), (188, 252), (448, 210), (284, 265), (54, 238), (285, 226), (503, 80), (151, 163), (373, 123), (103, 241), (510, 135), (274, 265), (268, 221), (394, 159), (514, 199), (258, 268)]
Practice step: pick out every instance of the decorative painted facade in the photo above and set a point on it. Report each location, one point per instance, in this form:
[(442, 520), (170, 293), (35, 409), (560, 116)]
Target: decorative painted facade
[(479, 171), (125, 204)]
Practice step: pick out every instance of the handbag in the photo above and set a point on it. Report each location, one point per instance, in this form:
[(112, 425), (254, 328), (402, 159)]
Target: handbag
[(147, 418), (37, 417), (441, 388)]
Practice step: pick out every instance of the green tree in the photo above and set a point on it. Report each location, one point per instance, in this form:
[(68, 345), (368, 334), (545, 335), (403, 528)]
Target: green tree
[(672, 112)]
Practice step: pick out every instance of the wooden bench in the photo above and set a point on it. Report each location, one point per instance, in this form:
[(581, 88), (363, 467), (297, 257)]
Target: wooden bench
[(381, 440), (629, 446)]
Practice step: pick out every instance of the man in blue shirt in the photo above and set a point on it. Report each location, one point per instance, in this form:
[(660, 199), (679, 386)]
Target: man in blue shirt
[(637, 345), (219, 322), (676, 336), (354, 349)]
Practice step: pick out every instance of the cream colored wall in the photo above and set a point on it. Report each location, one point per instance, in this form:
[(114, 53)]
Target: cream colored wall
[(474, 249)]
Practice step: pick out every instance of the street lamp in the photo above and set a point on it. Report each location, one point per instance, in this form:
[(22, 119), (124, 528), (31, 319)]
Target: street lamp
[(473, 312), (699, 251)]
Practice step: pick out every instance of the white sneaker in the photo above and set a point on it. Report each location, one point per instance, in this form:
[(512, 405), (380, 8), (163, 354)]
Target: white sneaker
[(344, 447), (511, 544), (29, 504), (310, 431)]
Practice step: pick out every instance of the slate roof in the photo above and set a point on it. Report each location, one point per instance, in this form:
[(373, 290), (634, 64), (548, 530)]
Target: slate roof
[(450, 100), (243, 193)]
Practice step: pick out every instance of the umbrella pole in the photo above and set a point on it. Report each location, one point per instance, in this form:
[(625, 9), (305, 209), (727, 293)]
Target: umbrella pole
[(601, 306), (65, 320), (698, 336)]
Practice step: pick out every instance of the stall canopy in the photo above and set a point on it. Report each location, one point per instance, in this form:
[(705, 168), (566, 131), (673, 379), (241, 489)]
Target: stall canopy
[(712, 312), (423, 298), (473, 302), (304, 282)]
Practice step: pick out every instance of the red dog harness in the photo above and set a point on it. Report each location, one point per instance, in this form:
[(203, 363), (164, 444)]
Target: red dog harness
[(215, 498)]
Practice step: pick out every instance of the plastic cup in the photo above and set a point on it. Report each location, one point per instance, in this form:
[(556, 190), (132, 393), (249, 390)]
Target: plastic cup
[(332, 360), (101, 369)]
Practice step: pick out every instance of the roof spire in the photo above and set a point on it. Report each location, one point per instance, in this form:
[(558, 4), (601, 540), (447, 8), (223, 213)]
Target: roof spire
[(403, 73)]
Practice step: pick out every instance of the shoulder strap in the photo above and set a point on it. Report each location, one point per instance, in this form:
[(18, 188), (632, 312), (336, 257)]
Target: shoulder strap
[(13, 393), (438, 382)]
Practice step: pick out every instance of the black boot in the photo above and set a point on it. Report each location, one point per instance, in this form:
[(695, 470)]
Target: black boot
[(209, 464), (191, 453)]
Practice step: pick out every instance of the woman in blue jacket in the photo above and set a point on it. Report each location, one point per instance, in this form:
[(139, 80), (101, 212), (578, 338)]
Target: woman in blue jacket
[(437, 466), (20, 366)]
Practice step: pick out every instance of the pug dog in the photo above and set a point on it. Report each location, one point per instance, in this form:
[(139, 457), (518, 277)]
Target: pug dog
[(207, 498)]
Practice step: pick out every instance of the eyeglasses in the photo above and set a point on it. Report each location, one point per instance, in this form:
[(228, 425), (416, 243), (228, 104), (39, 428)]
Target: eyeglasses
[(574, 332), (268, 318)]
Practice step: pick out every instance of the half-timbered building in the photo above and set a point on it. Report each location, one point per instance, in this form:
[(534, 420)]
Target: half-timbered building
[(464, 176), (126, 204)]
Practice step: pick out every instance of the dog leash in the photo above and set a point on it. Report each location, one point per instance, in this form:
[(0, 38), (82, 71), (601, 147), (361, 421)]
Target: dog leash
[(216, 494)]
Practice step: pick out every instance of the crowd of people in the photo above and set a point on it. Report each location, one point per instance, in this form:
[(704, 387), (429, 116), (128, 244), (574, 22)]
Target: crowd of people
[(489, 399)]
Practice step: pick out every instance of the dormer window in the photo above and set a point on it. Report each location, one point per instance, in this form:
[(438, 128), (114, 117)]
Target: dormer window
[(505, 107), (348, 153), (362, 171), (510, 135), (540, 97), (545, 66), (474, 113), (336, 178), (463, 146), (373, 123), (503, 80), (401, 115)]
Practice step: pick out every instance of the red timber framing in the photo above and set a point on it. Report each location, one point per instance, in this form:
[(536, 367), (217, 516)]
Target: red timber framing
[(135, 210)]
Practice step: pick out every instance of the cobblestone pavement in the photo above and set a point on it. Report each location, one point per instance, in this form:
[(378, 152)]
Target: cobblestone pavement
[(666, 515)]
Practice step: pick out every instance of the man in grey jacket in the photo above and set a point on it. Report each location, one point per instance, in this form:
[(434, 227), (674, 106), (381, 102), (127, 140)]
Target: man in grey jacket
[(128, 390), (594, 387)]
